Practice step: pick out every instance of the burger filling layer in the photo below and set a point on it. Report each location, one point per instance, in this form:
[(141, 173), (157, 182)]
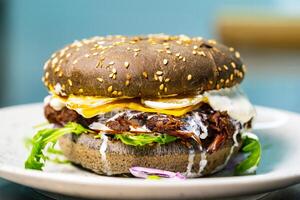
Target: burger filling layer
[(208, 119)]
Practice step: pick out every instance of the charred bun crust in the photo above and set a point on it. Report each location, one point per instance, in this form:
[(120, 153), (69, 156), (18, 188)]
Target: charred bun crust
[(142, 66), (84, 150)]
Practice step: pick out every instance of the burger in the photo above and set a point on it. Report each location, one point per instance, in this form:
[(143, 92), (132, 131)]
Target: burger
[(150, 105)]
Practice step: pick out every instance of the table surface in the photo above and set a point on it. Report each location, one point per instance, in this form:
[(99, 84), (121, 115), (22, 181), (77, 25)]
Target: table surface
[(12, 191)]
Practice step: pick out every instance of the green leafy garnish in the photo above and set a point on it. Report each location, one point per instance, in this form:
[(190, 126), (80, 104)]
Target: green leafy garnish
[(143, 139), (37, 158), (252, 147)]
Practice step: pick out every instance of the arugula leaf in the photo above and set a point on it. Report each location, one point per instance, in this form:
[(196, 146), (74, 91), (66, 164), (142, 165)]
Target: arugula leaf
[(36, 159), (252, 147), (143, 139)]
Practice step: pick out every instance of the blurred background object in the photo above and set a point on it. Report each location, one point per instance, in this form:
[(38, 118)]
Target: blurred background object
[(267, 33)]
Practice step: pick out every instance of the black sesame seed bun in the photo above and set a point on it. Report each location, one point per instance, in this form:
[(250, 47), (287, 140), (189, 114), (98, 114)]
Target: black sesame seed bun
[(84, 150), (142, 66)]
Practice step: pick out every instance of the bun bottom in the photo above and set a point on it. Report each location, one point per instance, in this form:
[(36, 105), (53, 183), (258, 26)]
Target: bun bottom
[(112, 157)]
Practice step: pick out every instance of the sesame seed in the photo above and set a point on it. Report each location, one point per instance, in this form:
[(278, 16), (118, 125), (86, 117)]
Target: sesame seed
[(231, 49), (68, 55), (225, 67), (60, 74), (111, 75), (189, 77), (231, 77), (218, 86), (168, 52), (195, 47), (210, 82), (100, 80), (233, 65), (114, 71), (54, 61), (126, 64), (115, 93), (128, 76), (86, 55), (237, 54), (120, 93), (99, 63), (46, 64), (167, 80), (46, 74), (110, 88), (57, 69), (111, 63), (160, 78), (145, 74), (180, 57), (135, 54), (80, 90), (127, 82), (136, 50), (201, 53), (161, 87), (194, 52), (114, 76), (70, 82), (166, 89), (74, 62), (222, 80), (177, 54), (159, 73), (183, 59), (155, 77), (219, 68), (165, 61), (227, 81)]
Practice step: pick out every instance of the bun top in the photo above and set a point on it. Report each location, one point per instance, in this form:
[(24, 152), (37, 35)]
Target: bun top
[(142, 66)]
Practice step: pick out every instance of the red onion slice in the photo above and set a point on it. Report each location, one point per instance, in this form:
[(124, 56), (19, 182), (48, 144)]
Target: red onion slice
[(143, 172)]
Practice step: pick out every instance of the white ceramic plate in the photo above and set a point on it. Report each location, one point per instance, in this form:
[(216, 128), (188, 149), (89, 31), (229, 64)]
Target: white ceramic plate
[(279, 132)]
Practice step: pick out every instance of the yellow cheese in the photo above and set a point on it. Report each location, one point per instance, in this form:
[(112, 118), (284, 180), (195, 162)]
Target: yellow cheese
[(91, 106)]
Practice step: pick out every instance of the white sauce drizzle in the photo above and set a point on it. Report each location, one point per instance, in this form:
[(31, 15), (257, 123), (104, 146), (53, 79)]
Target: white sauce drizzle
[(55, 103), (250, 135), (190, 162), (202, 163), (194, 124), (142, 129), (236, 144), (99, 126), (103, 149), (233, 101)]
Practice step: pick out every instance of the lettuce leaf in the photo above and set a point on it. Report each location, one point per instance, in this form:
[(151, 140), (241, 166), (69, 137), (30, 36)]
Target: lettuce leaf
[(144, 139), (37, 158), (252, 147), (44, 142)]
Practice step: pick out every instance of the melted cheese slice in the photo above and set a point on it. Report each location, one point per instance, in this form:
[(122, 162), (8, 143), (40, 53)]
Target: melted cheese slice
[(231, 100), (121, 105), (91, 106)]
